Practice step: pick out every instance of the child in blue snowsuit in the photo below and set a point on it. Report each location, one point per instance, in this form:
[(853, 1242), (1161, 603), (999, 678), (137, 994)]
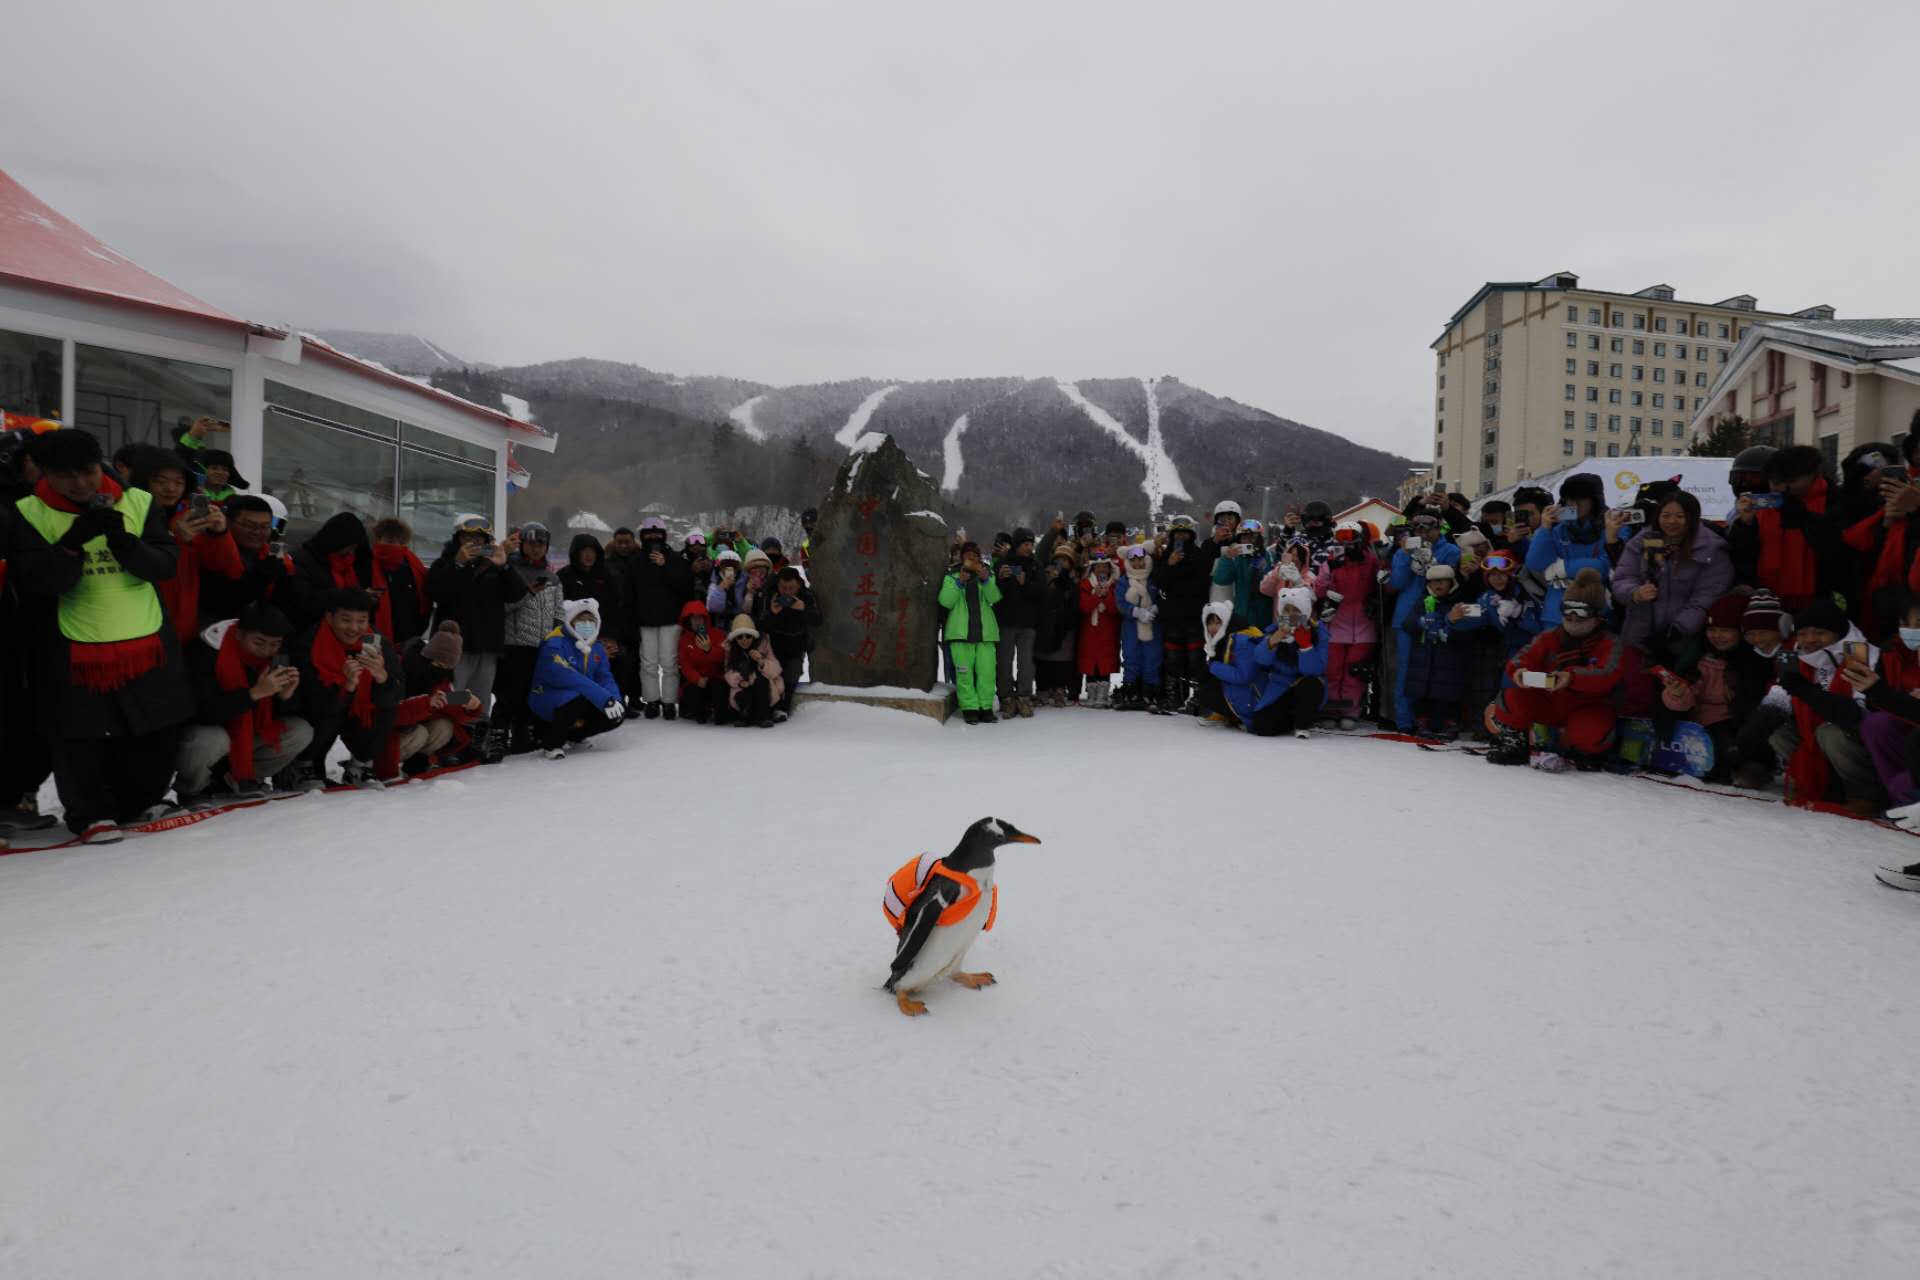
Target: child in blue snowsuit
[(1140, 635), (574, 694), (1273, 681), (1562, 548), (1440, 662), (1407, 579)]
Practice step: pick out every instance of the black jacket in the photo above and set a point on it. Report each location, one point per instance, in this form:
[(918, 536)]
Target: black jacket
[(659, 589), (1023, 594), (325, 705), (1059, 614), (577, 582), (302, 597), (1185, 586), (214, 705), (790, 631), (40, 574), (475, 595)]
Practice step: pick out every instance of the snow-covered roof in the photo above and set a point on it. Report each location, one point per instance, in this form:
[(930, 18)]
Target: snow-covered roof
[(1889, 346), (587, 522), (45, 249)]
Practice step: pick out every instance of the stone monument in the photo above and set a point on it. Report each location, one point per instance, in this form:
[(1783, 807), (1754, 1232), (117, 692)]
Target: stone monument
[(878, 555)]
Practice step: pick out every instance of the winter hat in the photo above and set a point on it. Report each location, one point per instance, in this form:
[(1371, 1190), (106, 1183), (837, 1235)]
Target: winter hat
[(444, 647), (1063, 550), (756, 557), (1439, 573), (727, 554), (969, 548), (1588, 592), (1299, 598), (263, 619), (1824, 614), (1727, 611), (1223, 610), (573, 610), (1471, 540), (1117, 526), (1021, 537), (221, 458), (1763, 613), (1584, 485), (742, 626)]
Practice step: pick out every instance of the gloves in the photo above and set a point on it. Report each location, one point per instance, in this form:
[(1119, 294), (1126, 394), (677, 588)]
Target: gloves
[(91, 523), (1331, 605), (615, 709), (1509, 611), (1421, 559), (1145, 612)]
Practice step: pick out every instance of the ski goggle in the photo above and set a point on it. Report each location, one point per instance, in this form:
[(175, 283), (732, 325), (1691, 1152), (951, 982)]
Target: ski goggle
[(534, 531), (1499, 560), (1580, 609), (696, 539), (1425, 522), (474, 524), (1134, 553), (1346, 535)]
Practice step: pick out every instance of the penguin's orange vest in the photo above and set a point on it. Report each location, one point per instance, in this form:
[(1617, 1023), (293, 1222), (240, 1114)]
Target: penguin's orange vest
[(910, 881)]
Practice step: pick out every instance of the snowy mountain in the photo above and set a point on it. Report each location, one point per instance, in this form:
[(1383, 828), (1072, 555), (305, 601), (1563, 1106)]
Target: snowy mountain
[(1003, 449), (401, 352)]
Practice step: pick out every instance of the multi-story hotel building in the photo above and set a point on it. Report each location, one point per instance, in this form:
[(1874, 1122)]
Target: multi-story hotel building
[(1530, 377)]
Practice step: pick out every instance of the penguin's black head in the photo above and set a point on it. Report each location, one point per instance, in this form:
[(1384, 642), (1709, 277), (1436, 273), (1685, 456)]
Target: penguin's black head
[(982, 838)]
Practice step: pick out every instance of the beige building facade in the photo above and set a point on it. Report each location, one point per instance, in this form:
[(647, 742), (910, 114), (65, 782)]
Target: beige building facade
[(1831, 383), (1532, 376)]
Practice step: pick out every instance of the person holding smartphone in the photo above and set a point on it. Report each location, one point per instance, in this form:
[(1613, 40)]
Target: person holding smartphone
[(1407, 579), (1577, 534), (470, 584), (1794, 548), (529, 621), (349, 688), (199, 528), (1561, 698)]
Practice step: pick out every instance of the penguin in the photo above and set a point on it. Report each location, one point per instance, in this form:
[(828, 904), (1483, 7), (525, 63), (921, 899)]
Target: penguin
[(921, 901)]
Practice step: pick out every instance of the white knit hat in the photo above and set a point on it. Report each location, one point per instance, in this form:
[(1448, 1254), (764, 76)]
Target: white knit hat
[(742, 626)]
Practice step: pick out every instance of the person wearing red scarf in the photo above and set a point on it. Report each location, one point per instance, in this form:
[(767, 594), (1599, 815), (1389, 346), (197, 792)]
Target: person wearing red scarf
[(1822, 740), (336, 557), (206, 548), (350, 683), (241, 696), (110, 689), (1793, 550), (405, 605)]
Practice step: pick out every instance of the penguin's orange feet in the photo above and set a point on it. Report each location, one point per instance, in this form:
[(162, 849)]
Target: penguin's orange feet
[(974, 980), (908, 1005)]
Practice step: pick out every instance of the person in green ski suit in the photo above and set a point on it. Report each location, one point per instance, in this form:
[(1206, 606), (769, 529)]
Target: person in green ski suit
[(968, 595)]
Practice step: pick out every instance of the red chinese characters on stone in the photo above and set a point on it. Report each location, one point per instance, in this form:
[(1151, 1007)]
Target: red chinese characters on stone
[(866, 609)]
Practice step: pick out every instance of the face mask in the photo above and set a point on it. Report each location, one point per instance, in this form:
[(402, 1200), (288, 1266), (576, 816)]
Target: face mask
[(586, 631), (1495, 527), (1910, 637)]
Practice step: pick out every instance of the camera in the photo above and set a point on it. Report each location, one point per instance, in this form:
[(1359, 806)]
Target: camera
[(1566, 513), (1633, 515), (280, 660), (198, 505), (277, 547), (1769, 501)]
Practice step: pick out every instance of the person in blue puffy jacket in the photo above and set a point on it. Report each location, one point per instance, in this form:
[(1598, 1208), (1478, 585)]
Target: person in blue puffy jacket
[(1273, 681), (1407, 579), (574, 695), (1440, 664), (1563, 547)]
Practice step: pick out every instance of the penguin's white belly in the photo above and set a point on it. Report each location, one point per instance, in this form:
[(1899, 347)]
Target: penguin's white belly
[(949, 944)]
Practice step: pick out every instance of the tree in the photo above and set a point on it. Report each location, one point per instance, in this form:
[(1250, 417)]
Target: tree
[(1728, 435)]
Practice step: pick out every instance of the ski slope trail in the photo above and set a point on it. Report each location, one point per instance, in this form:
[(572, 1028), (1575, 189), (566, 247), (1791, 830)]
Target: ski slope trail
[(953, 462), (1419, 1017), (856, 424), (1161, 479), (742, 416)]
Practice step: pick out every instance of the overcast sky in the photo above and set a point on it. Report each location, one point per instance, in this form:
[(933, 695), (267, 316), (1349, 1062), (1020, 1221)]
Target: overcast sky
[(1275, 202)]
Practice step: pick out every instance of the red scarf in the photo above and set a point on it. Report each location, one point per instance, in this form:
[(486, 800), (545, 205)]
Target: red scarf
[(388, 560), (102, 668), (1808, 773), (330, 664), (234, 669), (1889, 565), (1787, 566)]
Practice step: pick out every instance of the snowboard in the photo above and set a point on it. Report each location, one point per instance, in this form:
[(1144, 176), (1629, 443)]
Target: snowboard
[(1688, 750)]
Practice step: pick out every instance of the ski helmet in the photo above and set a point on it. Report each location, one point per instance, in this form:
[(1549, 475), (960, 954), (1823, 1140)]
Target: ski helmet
[(1752, 458), (1229, 507)]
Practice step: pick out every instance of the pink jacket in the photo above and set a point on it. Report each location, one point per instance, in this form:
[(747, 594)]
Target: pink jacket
[(1708, 696), (1356, 585)]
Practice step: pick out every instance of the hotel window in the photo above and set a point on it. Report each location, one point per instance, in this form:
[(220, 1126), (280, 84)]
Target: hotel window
[(1640, 322), (1639, 373), (1443, 382), (1571, 392), (1658, 452), (1573, 339), (1660, 349), (1493, 339), (1743, 331), (1492, 389), (1723, 357), (1659, 426), (1492, 411), (1614, 345), (1593, 315), (1593, 447), (1593, 342), (30, 375), (1679, 351), (1700, 379), (1439, 426), (1700, 329), (1723, 333), (1593, 394), (1619, 318), (1566, 448), (1613, 396), (1441, 406), (1493, 362), (1659, 324), (1637, 399), (1573, 315), (1573, 366), (1680, 376), (1593, 368), (1639, 346), (1593, 422), (1633, 426), (123, 398), (1613, 423), (1700, 354), (1659, 374), (1613, 450), (1819, 387), (1613, 371), (1659, 401), (1568, 424)]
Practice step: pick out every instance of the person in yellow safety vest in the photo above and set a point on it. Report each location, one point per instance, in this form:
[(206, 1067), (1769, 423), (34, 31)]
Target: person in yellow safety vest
[(111, 692)]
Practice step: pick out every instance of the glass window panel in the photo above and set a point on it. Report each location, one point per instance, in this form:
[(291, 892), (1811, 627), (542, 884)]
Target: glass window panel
[(476, 453), (319, 472), (332, 410), (434, 492), (29, 374), (124, 398)]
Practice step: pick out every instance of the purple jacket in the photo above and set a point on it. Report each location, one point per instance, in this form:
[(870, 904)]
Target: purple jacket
[(1688, 586)]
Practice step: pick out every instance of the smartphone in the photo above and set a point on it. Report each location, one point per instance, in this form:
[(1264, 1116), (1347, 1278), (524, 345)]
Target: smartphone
[(458, 697), (277, 547), (1856, 650), (1411, 542), (1534, 679), (1566, 513), (1472, 610), (280, 660), (1634, 515), (198, 505), (1769, 501)]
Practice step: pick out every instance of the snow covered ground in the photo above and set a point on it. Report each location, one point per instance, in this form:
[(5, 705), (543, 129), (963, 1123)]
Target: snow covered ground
[(1340, 1008)]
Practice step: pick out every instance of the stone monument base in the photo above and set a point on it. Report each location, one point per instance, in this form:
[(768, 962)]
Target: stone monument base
[(932, 702)]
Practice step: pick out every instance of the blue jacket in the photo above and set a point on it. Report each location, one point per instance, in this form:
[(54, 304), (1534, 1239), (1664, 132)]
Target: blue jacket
[(1411, 588), (561, 674), (1253, 676), (1571, 545), (1519, 633), (1440, 663)]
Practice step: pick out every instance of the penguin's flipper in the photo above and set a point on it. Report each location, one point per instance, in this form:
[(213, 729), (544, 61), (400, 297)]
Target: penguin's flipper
[(922, 918)]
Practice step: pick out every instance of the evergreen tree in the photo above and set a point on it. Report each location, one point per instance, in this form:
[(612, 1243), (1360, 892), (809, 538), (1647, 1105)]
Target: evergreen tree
[(1728, 435)]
